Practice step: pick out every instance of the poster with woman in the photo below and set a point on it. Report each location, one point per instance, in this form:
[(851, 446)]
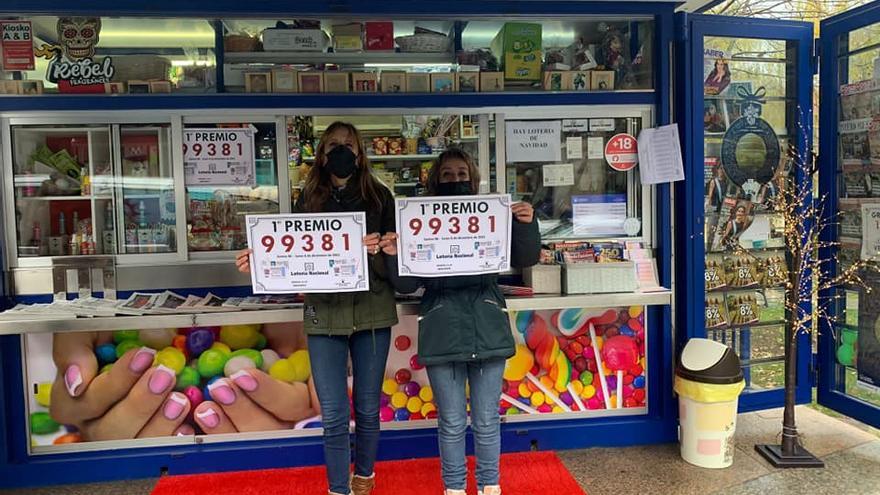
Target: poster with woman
[(718, 77)]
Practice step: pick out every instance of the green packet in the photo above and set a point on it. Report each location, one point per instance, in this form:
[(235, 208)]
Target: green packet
[(41, 154), (66, 164)]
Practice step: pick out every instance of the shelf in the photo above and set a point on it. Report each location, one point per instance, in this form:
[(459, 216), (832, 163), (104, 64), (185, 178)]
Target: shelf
[(391, 158), (397, 58), (60, 198), (406, 184), (540, 302)]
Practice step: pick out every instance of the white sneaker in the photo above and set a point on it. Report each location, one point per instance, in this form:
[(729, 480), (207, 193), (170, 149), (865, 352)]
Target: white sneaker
[(490, 490), (455, 492)]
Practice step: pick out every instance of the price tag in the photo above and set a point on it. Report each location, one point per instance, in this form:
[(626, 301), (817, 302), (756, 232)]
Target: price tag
[(219, 157), (312, 253), (622, 152), (458, 235)]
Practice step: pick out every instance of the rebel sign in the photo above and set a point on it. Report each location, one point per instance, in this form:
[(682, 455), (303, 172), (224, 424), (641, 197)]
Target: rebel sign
[(622, 152)]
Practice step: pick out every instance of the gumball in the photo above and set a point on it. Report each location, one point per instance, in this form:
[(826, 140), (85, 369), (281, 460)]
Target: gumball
[(414, 405), (627, 391), (412, 389), (589, 392), (546, 408), (566, 398), (531, 385), (536, 369), (384, 400), (125, 346), (639, 394), (547, 382), (512, 411), (302, 366), (428, 408), (120, 336), (199, 341), (513, 391), (635, 324), (386, 414), (402, 376), (238, 363), (538, 399), (186, 378), (594, 403), (211, 363), (611, 332), (206, 390), (283, 370), (416, 416), (398, 400), (578, 387), (158, 338), (252, 354), (44, 394), (389, 386), (630, 402), (613, 404), (194, 394), (575, 375), (626, 331), (106, 368), (431, 415), (524, 390), (220, 346), (67, 438), (414, 363), (628, 379), (612, 382), (106, 353), (426, 393), (239, 336), (401, 415), (557, 409), (261, 342), (43, 424), (402, 343), (639, 382), (171, 357), (270, 357), (636, 370)]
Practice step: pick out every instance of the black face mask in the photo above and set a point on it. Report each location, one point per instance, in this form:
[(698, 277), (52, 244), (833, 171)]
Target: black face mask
[(341, 162), (462, 188)]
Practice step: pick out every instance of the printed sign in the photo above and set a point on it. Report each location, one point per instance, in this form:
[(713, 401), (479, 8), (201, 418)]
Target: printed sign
[(458, 235), (870, 231), (534, 141), (72, 65), (311, 253), (17, 42), (558, 175), (219, 157), (598, 214), (622, 152)]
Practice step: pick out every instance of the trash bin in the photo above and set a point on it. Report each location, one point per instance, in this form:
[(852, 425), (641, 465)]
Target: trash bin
[(708, 381)]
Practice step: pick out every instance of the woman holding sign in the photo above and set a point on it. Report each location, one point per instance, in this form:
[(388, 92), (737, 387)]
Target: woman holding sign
[(475, 347), (354, 323)]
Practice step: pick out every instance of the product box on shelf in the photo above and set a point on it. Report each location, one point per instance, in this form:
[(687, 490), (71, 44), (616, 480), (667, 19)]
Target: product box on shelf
[(491, 81), (543, 279), (599, 278), (348, 37), (379, 36), (393, 82), (337, 82), (518, 46), (294, 40)]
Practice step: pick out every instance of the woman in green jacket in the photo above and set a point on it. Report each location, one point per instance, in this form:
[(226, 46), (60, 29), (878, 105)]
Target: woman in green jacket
[(357, 323), (465, 335)]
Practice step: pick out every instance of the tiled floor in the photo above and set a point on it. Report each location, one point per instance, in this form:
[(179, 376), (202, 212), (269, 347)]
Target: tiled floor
[(851, 454)]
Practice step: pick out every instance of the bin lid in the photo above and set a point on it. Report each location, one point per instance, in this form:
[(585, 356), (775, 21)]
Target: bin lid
[(707, 361)]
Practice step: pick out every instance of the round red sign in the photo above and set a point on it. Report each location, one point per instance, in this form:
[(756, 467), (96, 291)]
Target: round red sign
[(622, 152)]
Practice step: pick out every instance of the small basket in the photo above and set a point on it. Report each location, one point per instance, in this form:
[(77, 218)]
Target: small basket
[(241, 43), (140, 68), (423, 43)]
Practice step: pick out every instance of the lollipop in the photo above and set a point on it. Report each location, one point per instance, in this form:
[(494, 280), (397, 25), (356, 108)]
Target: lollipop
[(599, 364), (547, 353), (573, 322), (620, 354)]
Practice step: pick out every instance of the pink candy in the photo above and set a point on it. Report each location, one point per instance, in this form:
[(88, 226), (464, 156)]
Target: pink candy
[(386, 414), (194, 394)]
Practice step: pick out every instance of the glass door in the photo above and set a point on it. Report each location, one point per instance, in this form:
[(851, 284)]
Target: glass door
[(752, 96), (849, 343)]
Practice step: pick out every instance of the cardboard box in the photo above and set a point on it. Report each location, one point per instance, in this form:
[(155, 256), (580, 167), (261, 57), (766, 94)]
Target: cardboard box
[(518, 47), (556, 81), (258, 82), (491, 82), (443, 82), (365, 82), (393, 82), (337, 82), (418, 82), (379, 36), (543, 279), (348, 37), (284, 81), (310, 82), (468, 82), (602, 80), (294, 40), (579, 80)]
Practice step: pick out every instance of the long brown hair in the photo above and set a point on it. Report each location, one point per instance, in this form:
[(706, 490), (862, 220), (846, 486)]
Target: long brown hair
[(319, 183), (453, 154)]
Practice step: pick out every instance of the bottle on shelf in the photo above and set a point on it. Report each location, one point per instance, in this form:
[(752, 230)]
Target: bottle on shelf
[(62, 226), (108, 240), (37, 238), (75, 241)]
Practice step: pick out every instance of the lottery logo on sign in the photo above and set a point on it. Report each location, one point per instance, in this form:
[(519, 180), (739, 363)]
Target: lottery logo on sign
[(459, 235), (312, 253), (622, 152)]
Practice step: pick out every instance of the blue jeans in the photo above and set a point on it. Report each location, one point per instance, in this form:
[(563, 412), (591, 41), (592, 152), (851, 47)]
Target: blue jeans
[(329, 357), (448, 382)]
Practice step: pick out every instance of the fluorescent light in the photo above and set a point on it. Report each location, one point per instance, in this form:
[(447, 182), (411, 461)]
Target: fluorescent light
[(425, 66), (194, 35), (190, 63)]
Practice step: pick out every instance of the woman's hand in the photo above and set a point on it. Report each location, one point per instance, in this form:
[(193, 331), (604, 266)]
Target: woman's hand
[(243, 260), (388, 244), (523, 212), (371, 242)]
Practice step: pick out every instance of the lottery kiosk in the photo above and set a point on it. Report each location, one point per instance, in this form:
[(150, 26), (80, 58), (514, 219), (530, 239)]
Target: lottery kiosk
[(135, 144)]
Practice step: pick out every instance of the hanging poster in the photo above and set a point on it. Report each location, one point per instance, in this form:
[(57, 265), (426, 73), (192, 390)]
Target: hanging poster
[(870, 231), (219, 157), (313, 253), (17, 43), (73, 66), (457, 235), (718, 77), (750, 150), (534, 141)]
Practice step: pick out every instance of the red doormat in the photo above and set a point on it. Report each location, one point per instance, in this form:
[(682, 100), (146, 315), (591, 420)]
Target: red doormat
[(532, 473)]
